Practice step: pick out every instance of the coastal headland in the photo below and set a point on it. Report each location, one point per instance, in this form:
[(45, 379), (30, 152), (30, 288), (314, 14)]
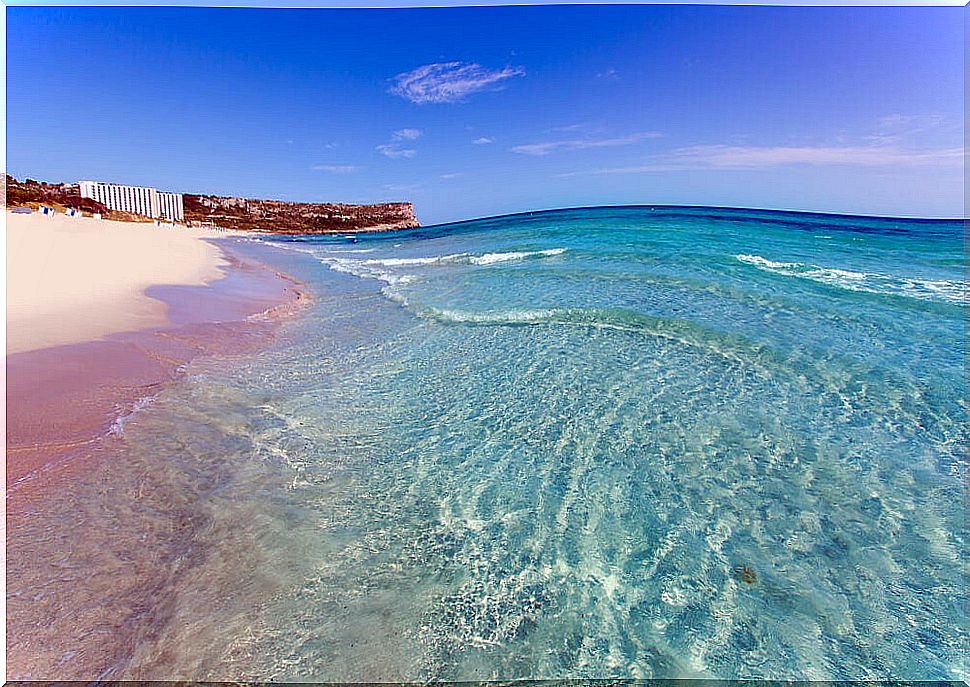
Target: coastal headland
[(226, 212), (282, 217)]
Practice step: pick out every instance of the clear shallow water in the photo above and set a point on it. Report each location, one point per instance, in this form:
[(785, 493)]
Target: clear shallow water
[(558, 445)]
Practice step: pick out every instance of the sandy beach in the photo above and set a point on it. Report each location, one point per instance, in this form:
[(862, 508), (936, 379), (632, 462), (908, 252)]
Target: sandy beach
[(102, 318), (73, 280), (101, 315)]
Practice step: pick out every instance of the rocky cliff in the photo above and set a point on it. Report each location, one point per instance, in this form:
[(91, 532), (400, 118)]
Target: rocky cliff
[(281, 217), (274, 216)]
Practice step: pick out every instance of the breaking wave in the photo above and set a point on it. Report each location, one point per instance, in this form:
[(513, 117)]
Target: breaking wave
[(433, 260), (493, 258), (383, 269), (466, 258), (367, 269), (949, 291)]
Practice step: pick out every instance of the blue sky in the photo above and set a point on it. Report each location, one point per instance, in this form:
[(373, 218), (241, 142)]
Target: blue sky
[(471, 112)]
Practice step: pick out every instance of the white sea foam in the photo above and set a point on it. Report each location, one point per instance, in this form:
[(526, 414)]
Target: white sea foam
[(950, 291), (385, 269), (764, 262), (395, 295), (467, 258), (368, 269), (493, 258), (505, 317), (316, 250), (432, 260), (596, 318), (117, 427)]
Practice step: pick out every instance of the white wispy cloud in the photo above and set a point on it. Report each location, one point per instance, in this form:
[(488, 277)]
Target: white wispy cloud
[(396, 148), (483, 140), (907, 124), (335, 169), (406, 135), (452, 175), (450, 82), (547, 147), (566, 127), (726, 157), (897, 128), (395, 152), (746, 157), (402, 188)]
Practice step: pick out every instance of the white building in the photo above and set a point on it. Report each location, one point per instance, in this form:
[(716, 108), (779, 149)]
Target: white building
[(138, 200)]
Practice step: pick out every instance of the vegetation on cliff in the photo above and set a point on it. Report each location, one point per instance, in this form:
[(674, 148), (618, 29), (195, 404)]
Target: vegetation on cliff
[(31, 193), (283, 217), (247, 214)]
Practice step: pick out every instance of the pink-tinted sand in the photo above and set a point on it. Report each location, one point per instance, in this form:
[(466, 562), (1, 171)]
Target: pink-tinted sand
[(61, 405), (62, 401)]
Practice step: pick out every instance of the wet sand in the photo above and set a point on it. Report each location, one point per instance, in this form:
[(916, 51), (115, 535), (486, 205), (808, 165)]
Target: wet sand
[(66, 410), (63, 400)]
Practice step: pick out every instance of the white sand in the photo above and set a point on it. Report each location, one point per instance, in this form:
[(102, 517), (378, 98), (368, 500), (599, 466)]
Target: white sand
[(72, 280)]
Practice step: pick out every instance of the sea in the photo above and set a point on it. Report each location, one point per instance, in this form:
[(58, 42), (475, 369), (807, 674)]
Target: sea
[(618, 442)]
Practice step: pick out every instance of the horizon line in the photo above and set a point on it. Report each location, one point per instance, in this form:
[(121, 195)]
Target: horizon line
[(443, 4), (825, 213), (693, 206)]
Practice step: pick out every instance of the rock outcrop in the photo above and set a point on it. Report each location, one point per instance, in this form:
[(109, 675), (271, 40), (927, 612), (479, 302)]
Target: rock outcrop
[(282, 217)]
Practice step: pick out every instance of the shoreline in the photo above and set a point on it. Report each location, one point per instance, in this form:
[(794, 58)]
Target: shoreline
[(66, 419), (77, 279), (71, 398)]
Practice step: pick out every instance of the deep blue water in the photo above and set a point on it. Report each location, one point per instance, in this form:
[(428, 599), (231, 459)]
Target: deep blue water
[(614, 442)]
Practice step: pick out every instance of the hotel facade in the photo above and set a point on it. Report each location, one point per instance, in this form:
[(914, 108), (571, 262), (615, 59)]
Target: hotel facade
[(138, 200)]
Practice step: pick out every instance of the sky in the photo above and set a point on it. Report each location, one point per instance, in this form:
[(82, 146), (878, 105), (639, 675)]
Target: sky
[(478, 111)]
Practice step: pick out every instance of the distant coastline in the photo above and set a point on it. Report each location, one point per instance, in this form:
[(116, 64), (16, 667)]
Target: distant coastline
[(300, 218), (228, 212)]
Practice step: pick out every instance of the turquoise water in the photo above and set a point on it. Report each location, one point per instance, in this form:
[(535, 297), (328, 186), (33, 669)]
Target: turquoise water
[(615, 442)]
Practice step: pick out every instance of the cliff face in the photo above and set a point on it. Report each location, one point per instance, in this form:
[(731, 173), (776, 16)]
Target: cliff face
[(281, 217)]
